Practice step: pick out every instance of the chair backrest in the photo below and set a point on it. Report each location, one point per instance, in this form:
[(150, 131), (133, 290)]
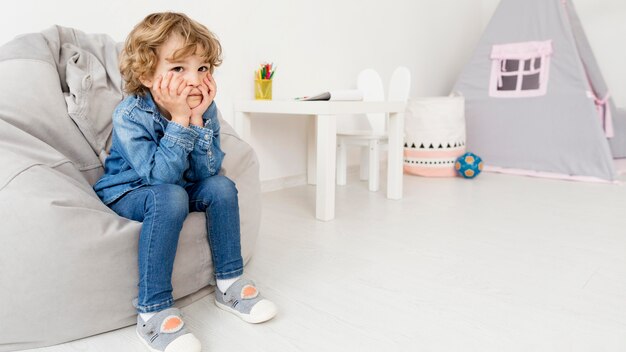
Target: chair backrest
[(371, 85), (400, 84)]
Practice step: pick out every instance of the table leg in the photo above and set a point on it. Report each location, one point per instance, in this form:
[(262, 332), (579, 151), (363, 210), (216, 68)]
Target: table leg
[(311, 137), (326, 158), (394, 160)]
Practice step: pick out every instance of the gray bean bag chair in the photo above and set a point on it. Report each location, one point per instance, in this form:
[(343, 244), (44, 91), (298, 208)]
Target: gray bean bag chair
[(68, 264)]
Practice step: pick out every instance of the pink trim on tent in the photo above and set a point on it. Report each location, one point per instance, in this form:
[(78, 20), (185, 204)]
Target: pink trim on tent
[(602, 107), (605, 114), (550, 175), (620, 165), (521, 51)]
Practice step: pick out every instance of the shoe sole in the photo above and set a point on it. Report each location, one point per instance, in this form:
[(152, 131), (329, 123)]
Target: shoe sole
[(267, 312), (185, 343)]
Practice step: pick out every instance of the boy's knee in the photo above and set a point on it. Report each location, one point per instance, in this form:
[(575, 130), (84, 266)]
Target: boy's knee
[(226, 184), (218, 189), (170, 199), (225, 189)]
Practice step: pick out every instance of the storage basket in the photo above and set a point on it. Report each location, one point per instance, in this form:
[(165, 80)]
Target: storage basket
[(434, 135)]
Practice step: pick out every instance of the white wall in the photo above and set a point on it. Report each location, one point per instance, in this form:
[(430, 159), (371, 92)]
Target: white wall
[(320, 45)]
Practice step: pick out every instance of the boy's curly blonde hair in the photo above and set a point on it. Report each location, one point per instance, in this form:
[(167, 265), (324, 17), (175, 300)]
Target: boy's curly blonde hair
[(139, 57)]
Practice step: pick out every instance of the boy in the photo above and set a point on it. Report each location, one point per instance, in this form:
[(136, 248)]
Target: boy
[(164, 160)]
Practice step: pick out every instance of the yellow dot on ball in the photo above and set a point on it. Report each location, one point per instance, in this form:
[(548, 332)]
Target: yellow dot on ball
[(469, 173), (457, 165), (469, 159), (480, 166)]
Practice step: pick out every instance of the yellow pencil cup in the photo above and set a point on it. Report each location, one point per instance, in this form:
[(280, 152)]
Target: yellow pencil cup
[(263, 89)]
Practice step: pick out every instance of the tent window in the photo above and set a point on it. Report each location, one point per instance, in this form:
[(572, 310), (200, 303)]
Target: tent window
[(508, 83), (530, 82), (510, 65), (520, 69)]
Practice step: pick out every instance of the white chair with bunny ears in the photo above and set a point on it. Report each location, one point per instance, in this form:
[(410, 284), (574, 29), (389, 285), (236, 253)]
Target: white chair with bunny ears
[(371, 85), (400, 85), (374, 139)]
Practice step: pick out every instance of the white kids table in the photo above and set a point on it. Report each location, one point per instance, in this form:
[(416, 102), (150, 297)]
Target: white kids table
[(322, 140)]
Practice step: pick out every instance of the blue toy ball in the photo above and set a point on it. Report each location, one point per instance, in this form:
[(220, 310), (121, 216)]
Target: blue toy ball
[(469, 165)]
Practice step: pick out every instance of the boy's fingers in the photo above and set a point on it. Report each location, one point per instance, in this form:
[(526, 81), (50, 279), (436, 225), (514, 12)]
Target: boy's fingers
[(157, 83), (186, 91), (156, 88), (181, 87), (210, 88), (210, 83), (175, 85), (166, 81)]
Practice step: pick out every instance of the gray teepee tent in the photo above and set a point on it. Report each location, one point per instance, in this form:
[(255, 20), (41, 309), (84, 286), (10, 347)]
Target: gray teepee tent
[(536, 102)]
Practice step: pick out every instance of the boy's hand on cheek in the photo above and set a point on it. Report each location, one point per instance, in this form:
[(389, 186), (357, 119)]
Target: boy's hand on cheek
[(171, 94), (208, 89)]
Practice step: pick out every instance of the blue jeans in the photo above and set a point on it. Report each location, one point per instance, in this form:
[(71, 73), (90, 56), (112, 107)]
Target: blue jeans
[(163, 209)]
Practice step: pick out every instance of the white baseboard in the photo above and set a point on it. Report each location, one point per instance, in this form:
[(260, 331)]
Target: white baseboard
[(282, 183), (277, 184)]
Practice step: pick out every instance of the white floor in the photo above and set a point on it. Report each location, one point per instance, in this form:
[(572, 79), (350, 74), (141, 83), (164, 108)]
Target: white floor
[(499, 263)]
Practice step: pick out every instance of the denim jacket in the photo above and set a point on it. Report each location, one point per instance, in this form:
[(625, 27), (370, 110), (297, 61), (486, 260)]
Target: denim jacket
[(147, 149)]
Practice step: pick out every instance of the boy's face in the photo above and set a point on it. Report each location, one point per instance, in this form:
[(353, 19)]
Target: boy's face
[(192, 69)]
